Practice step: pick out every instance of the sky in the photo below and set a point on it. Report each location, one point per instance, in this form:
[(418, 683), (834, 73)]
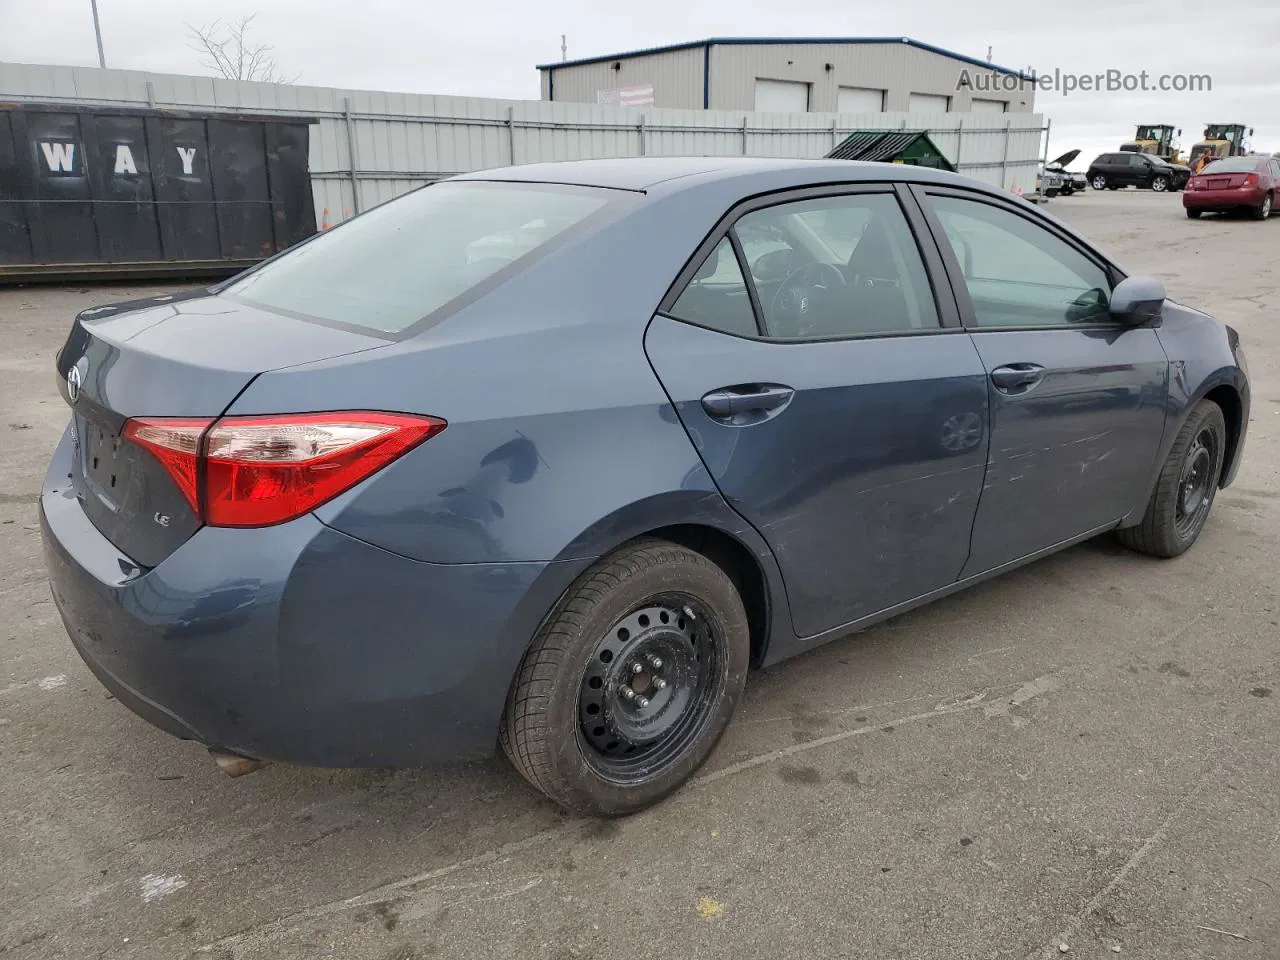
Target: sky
[(490, 49)]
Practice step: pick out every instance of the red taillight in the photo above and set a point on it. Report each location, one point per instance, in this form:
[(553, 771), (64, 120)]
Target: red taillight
[(1194, 183), (176, 444), (259, 471), (1250, 180)]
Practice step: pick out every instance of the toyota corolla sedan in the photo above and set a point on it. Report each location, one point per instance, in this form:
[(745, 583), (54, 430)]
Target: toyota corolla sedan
[(551, 457)]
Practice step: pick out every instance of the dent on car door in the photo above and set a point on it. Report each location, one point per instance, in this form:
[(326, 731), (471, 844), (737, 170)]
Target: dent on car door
[(1077, 399), (806, 358)]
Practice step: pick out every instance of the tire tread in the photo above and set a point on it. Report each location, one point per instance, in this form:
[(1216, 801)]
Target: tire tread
[(525, 734), (1155, 535)]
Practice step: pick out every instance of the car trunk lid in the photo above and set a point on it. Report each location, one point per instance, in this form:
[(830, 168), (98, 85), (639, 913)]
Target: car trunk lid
[(1224, 181), (181, 356)]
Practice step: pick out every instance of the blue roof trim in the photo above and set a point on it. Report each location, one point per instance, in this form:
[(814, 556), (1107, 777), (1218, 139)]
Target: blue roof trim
[(743, 41)]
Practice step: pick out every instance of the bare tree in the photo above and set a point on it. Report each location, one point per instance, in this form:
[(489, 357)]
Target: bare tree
[(227, 49)]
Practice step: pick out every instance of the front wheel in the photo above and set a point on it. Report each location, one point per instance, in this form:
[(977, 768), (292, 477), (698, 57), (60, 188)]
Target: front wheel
[(1184, 492), (1099, 182), (1160, 184), (630, 684)]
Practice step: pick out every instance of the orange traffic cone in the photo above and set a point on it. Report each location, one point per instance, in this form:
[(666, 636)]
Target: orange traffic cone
[(324, 220)]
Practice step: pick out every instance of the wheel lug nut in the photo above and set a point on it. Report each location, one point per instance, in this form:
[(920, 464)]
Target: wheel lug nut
[(659, 684), (642, 702), (627, 693), (637, 668), (688, 612), (655, 662)]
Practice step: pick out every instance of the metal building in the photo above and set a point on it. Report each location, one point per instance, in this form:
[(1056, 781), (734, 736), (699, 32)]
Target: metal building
[(852, 75)]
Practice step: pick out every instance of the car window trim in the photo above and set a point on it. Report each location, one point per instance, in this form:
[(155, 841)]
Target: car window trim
[(744, 267), (955, 272), (949, 320)]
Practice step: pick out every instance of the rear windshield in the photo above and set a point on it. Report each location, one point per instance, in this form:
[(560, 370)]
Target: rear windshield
[(1233, 165), (393, 266)]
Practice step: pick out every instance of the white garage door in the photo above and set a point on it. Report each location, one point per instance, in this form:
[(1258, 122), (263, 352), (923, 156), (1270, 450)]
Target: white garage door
[(987, 106), (782, 96), (859, 100), (929, 103)]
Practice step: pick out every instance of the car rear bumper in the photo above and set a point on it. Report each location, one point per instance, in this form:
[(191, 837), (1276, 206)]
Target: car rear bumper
[(298, 642), (1223, 199)]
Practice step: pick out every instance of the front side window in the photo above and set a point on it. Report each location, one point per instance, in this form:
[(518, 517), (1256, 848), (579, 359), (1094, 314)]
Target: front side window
[(393, 266), (1018, 273), (837, 267)]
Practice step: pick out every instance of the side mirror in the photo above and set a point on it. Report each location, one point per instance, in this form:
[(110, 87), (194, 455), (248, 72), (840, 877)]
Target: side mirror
[(1136, 300)]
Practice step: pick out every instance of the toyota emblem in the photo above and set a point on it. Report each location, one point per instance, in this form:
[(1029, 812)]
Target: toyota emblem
[(73, 384)]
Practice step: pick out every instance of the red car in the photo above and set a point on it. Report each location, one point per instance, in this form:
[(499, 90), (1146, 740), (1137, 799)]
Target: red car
[(1234, 183)]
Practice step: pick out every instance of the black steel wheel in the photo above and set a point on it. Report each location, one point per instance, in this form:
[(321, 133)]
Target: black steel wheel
[(1197, 483), (1186, 487), (648, 688), (631, 682)]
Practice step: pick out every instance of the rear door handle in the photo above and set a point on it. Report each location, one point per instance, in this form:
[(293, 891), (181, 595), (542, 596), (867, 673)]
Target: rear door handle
[(1017, 377), (729, 402)]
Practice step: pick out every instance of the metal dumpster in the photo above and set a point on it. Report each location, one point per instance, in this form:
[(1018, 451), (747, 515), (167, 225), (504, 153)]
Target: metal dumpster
[(118, 191)]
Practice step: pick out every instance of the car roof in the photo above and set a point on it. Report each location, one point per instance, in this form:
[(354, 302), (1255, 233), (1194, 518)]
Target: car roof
[(652, 174)]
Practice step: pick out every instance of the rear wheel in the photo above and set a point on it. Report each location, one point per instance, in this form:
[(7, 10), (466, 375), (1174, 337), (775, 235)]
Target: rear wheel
[(632, 681), (1184, 493), (1194, 214), (1099, 182), (1263, 211)]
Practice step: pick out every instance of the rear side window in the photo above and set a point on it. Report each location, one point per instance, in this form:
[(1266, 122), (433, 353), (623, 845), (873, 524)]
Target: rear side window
[(845, 267), (398, 263), (1236, 165), (717, 295), (821, 269)]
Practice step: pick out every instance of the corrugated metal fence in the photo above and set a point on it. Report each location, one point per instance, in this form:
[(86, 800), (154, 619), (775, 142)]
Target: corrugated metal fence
[(368, 147)]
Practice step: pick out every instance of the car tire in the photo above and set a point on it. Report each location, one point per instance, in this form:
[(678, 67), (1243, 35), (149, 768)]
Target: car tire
[(1194, 214), (1185, 490), (570, 728), (1263, 212), (1098, 182), (1160, 184)]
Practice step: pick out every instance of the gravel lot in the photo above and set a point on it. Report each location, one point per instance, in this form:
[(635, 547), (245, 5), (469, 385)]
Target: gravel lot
[(1085, 752)]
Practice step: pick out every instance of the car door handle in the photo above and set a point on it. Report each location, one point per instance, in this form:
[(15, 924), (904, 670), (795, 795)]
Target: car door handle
[(729, 402), (1016, 377)]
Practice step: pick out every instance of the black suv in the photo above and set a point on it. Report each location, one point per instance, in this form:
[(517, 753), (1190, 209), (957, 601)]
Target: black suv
[(1111, 171)]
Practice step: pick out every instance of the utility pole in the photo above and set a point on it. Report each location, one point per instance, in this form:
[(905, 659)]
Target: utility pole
[(988, 54), (97, 33), (564, 48)]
